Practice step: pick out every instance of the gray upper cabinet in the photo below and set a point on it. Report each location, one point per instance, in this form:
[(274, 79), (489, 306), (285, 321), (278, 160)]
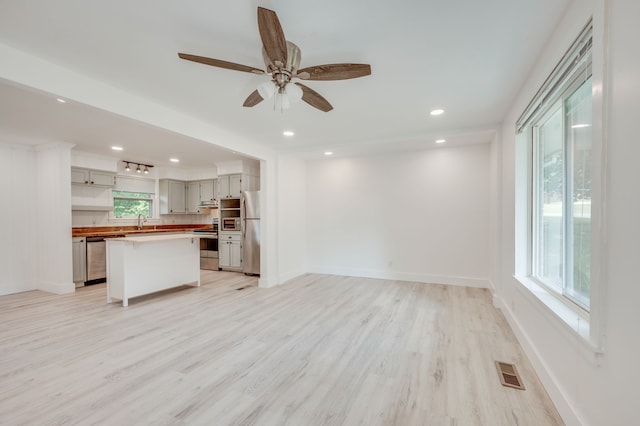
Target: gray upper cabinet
[(193, 197), (177, 196), (209, 191), (230, 186), (223, 187), (92, 177), (172, 196)]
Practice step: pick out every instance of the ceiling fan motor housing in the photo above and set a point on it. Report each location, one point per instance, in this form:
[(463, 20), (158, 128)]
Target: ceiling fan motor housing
[(282, 75)]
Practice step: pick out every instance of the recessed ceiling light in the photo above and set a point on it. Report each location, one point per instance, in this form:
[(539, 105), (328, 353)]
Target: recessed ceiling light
[(62, 101), (441, 141), (174, 160), (116, 148), (328, 153), (437, 112), (288, 133)]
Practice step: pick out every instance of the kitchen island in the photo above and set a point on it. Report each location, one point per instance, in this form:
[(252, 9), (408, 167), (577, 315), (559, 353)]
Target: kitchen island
[(146, 264)]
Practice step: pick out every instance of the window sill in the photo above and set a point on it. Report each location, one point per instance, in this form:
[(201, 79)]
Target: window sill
[(570, 320)]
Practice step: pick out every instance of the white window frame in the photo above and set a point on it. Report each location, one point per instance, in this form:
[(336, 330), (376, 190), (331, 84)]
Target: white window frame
[(574, 320), (568, 161)]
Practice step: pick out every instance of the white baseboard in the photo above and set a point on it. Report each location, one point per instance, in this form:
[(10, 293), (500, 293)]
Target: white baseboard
[(405, 276), (283, 278), (548, 380), (57, 288)]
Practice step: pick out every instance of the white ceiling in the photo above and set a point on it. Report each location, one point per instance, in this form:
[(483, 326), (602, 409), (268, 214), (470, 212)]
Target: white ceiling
[(467, 56)]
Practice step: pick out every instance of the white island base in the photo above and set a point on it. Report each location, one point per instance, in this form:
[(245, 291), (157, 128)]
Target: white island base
[(147, 264)]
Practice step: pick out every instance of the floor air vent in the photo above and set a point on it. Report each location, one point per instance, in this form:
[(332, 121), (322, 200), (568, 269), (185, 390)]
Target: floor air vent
[(509, 375)]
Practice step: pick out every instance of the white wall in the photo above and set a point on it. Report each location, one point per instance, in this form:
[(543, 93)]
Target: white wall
[(53, 218), (292, 217), (18, 259), (420, 216), (35, 241), (586, 390)]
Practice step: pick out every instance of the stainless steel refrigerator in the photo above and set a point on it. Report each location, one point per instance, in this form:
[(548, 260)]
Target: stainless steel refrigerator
[(251, 232)]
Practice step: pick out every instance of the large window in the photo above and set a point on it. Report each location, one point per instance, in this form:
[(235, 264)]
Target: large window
[(133, 196), (131, 204), (558, 129), (561, 202)]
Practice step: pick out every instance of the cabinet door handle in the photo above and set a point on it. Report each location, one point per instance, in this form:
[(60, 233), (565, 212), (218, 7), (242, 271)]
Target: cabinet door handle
[(91, 182)]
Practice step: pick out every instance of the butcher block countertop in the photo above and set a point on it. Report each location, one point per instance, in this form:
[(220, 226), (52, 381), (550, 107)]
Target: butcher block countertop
[(113, 231), (142, 238)]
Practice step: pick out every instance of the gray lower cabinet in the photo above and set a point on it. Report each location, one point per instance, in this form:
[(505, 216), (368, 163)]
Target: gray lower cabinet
[(79, 260), (230, 250)]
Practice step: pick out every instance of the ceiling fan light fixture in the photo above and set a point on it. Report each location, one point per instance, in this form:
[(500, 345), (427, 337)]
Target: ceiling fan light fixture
[(266, 89), (282, 101), (294, 93)]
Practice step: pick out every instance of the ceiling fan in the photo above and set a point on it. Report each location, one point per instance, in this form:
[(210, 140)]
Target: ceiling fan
[(282, 61)]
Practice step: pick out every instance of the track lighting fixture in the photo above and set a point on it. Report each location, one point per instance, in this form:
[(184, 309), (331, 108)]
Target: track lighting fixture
[(129, 164)]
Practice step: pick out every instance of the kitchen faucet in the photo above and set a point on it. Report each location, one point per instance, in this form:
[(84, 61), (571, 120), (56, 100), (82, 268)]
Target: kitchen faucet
[(141, 219)]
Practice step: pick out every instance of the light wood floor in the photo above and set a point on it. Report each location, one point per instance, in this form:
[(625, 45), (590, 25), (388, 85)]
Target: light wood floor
[(321, 350)]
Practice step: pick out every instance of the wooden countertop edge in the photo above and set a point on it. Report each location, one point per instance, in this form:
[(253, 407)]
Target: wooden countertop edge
[(124, 231)]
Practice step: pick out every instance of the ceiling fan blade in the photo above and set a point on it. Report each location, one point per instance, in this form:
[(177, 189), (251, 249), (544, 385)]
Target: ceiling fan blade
[(314, 99), (272, 36), (335, 71), (253, 99), (220, 64)]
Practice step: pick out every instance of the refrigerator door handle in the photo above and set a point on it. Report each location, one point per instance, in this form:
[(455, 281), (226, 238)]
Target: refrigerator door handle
[(243, 217)]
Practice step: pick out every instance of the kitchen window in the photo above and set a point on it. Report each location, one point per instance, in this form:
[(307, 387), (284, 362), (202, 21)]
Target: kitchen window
[(131, 204), (133, 196), (554, 187)]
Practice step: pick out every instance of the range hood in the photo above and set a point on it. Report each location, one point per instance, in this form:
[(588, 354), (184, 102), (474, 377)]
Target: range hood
[(211, 205)]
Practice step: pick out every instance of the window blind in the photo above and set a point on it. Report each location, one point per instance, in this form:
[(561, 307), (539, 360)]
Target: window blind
[(135, 184), (575, 66)]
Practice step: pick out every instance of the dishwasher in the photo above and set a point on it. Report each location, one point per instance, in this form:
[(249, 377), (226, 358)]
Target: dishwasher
[(96, 260)]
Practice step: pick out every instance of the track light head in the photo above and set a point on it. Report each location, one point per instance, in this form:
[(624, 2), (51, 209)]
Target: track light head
[(139, 169)]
